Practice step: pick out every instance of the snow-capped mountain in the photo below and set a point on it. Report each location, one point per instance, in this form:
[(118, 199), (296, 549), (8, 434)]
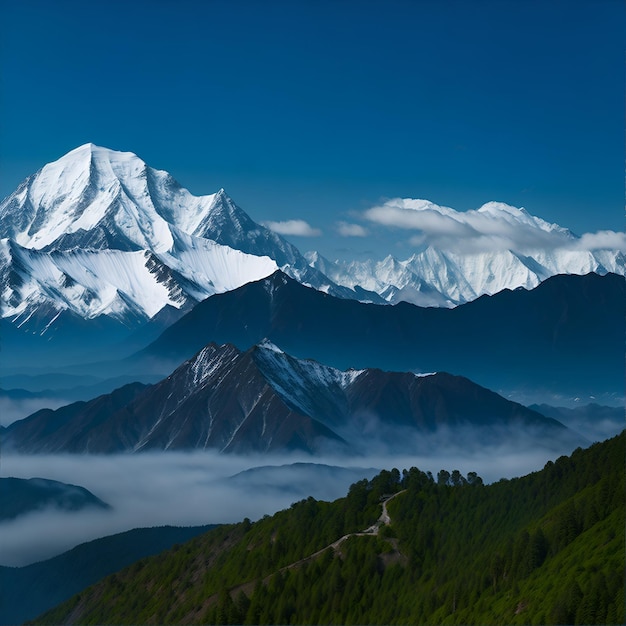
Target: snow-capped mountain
[(98, 232), (264, 400), (499, 247)]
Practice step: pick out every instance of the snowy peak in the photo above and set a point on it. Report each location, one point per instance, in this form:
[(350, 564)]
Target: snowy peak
[(98, 200), (519, 217), (98, 232), (97, 190), (461, 255), (264, 400)]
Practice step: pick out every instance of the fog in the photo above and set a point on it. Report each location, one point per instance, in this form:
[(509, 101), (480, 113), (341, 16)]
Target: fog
[(153, 489), (13, 409)]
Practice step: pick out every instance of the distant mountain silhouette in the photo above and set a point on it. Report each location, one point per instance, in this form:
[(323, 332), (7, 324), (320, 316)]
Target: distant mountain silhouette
[(19, 496), (566, 335)]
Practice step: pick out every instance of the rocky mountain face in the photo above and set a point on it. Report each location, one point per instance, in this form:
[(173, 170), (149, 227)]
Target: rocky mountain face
[(264, 400)]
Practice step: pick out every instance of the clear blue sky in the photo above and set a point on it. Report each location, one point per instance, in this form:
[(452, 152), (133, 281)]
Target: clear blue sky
[(317, 110)]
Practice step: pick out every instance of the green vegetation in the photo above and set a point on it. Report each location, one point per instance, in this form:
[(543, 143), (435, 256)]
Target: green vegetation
[(547, 548)]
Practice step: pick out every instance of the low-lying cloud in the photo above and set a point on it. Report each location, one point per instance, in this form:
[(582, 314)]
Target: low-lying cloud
[(186, 489), (495, 226), (297, 228)]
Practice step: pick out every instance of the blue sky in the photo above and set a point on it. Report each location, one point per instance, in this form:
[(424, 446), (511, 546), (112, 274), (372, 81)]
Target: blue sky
[(319, 110)]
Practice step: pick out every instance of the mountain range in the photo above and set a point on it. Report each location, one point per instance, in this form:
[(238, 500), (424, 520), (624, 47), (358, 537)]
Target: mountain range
[(495, 247), (565, 336), (545, 548), (100, 234), (263, 400)]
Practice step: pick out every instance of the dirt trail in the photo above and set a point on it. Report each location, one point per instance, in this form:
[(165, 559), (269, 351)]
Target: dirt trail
[(383, 520)]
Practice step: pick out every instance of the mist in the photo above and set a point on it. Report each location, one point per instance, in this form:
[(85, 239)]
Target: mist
[(184, 489), (14, 409)]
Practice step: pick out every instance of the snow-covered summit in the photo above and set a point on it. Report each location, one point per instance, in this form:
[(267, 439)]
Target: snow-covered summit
[(99, 232), (98, 198)]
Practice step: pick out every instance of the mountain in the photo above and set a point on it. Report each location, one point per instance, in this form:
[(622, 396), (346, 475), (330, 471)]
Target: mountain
[(18, 403), (516, 249), (300, 480), (50, 430), (593, 421), (99, 233), (19, 496), (25, 592), (546, 548), (565, 336), (263, 400)]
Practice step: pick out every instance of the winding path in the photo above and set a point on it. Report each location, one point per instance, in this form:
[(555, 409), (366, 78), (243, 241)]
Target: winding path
[(373, 530), (383, 520)]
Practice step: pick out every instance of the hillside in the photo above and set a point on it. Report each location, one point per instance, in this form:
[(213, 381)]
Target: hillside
[(545, 548), (27, 591)]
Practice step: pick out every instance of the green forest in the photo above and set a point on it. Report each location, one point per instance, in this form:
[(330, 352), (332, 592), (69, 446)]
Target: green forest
[(547, 548)]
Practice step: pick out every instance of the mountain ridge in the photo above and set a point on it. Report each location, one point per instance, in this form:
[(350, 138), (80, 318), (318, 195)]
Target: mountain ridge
[(547, 547), (576, 323)]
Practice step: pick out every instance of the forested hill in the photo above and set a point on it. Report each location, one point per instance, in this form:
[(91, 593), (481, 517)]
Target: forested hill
[(547, 548)]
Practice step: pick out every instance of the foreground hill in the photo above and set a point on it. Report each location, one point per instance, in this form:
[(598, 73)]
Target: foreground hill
[(264, 400), (547, 548), (566, 335)]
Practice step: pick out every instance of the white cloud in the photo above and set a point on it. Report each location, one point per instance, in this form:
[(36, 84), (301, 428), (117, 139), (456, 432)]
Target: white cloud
[(351, 230), (603, 240), (298, 228), (495, 226)]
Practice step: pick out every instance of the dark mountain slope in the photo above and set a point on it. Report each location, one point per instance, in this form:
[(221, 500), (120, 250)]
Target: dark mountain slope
[(19, 496), (217, 400), (456, 552), (25, 592), (566, 335), (69, 428)]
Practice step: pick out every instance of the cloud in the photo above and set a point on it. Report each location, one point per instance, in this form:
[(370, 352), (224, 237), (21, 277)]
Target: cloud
[(186, 489), (297, 228), (603, 240), (495, 226), (351, 230)]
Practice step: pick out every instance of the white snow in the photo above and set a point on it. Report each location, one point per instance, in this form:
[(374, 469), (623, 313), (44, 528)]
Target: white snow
[(301, 383), (91, 188)]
